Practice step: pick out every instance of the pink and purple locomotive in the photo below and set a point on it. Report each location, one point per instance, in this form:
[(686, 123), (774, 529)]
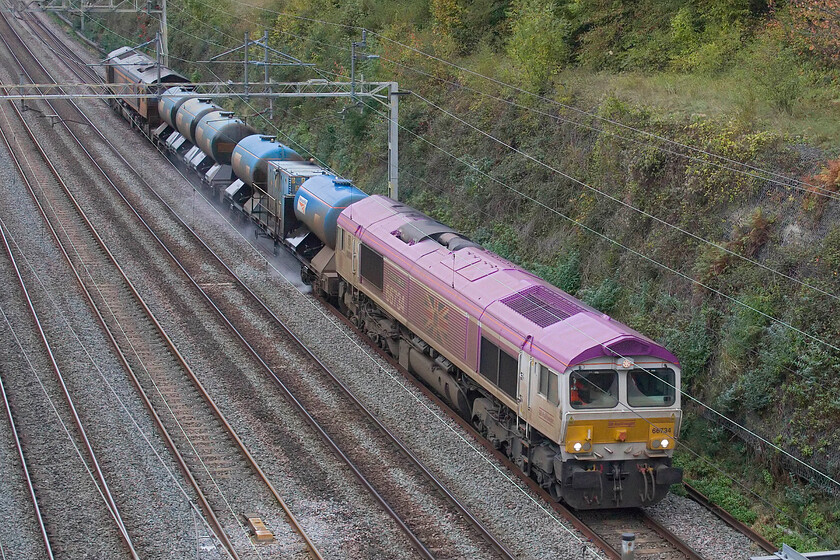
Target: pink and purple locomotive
[(586, 406)]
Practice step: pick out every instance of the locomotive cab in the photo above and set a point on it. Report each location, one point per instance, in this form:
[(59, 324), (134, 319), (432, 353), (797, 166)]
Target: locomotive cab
[(620, 422)]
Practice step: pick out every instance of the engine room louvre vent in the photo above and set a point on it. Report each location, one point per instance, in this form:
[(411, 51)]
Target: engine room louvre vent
[(541, 306)]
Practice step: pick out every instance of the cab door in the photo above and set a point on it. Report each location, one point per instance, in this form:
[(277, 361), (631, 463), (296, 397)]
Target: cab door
[(526, 364), (355, 258)]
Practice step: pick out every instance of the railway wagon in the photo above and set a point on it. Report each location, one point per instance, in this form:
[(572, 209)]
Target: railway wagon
[(133, 72)]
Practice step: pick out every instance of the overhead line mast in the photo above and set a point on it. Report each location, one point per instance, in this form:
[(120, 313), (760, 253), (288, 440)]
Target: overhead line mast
[(358, 88), (83, 7)]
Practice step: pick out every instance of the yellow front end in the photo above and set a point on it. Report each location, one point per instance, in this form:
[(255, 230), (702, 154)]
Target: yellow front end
[(596, 438)]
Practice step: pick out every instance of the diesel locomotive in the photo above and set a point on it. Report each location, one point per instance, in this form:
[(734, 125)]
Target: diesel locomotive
[(583, 404)]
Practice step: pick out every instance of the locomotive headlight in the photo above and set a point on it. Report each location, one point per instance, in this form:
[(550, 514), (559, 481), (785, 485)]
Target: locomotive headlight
[(661, 436), (578, 439)]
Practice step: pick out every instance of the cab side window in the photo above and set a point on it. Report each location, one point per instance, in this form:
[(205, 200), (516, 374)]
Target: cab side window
[(548, 385)]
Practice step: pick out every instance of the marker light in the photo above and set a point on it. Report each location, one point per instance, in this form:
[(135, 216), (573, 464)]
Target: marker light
[(577, 446), (665, 443)]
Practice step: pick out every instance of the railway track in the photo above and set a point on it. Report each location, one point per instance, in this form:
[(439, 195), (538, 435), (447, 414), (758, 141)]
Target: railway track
[(59, 441), (603, 529), (334, 420), (389, 467), (724, 515), (652, 540), (206, 447)]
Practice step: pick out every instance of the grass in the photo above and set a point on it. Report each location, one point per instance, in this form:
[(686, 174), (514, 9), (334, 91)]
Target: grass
[(728, 96), (782, 509)]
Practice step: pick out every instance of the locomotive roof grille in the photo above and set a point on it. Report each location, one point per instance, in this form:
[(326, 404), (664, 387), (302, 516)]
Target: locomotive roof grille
[(541, 306)]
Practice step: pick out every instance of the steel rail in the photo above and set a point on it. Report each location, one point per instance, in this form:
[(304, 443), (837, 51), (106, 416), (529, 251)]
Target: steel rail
[(217, 526), (693, 493), (301, 408), (171, 345), (669, 536), (19, 447), (302, 346), (729, 519), (100, 475), (532, 484), (675, 541), (558, 507)]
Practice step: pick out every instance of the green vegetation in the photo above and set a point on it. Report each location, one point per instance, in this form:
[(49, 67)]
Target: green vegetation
[(596, 210)]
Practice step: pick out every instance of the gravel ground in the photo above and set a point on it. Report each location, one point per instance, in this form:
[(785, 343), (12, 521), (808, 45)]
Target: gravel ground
[(702, 530), (19, 534), (491, 492), (145, 482), (332, 508), (502, 503), (66, 494)]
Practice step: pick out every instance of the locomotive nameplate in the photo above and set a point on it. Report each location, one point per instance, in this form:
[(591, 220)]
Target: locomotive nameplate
[(546, 416)]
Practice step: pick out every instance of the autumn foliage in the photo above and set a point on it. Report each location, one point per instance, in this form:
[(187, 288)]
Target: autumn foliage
[(821, 187), (815, 24)]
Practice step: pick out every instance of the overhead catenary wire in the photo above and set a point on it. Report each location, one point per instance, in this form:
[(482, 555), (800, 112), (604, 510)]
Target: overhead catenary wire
[(620, 202), (786, 179), (735, 300), (616, 200), (578, 224), (685, 446), (780, 178), (588, 548), (785, 182), (620, 245), (97, 367)]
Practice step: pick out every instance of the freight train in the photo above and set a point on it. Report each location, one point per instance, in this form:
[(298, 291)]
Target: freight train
[(583, 404)]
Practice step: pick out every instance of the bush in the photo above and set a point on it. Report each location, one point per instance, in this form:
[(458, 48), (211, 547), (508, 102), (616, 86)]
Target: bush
[(468, 23), (539, 40), (776, 73), (565, 274), (746, 324), (604, 297), (692, 344)]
